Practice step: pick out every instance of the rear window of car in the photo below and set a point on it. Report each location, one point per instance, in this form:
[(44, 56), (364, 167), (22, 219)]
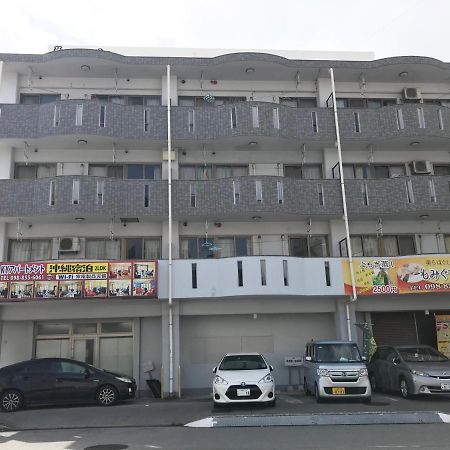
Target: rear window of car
[(418, 354), (243, 362)]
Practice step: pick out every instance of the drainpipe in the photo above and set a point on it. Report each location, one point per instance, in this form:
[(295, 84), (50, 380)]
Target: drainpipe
[(169, 185), (354, 296)]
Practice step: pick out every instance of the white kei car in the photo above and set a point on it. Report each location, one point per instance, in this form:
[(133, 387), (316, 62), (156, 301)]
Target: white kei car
[(243, 377)]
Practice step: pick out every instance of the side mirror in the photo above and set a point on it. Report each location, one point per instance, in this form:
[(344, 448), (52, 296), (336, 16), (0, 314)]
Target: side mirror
[(308, 358), (271, 368), (215, 370), (396, 361), (364, 358), (87, 373)]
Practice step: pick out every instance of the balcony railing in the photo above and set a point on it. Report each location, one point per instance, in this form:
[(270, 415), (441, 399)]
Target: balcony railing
[(91, 117), (239, 198)]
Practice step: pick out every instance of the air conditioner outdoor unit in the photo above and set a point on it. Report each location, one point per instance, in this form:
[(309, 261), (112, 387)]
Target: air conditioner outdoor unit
[(69, 244), (423, 167), (411, 94)]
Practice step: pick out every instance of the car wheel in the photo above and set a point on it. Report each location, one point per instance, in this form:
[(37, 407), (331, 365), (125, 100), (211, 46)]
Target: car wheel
[(319, 399), (404, 388), (305, 387), (107, 396), (11, 401), (373, 382)]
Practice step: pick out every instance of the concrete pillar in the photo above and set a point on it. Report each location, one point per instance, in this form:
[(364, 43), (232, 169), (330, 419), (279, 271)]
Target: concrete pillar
[(340, 320), (173, 90), (330, 159), (165, 375), (8, 85), (337, 233), (3, 241), (323, 88), (6, 162), (175, 240)]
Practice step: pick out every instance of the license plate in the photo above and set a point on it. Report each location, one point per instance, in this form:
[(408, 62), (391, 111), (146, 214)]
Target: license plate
[(445, 386), (338, 391), (243, 392)]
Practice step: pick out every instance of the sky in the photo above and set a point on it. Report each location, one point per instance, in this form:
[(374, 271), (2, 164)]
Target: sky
[(385, 27)]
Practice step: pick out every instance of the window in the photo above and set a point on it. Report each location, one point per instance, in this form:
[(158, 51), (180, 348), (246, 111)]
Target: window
[(357, 122), (79, 116), (22, 171), (280, 194), (30, 250), (75, 192), (194, 275), (276, 118), (146, 196), (236, 192), (372, 103), (285, 273), (240, 274), (400, 122), (100, 192), (193, 195), (432, 190), (132, 100), (146, 119), (299, 102), (360, 171), (304, 171), (102, 116), (421, 117), (440, 119), (56, 115), (255, 117), (217, 247), (320, 194), (102, 249), (143, 172), (262, 264), (133, 248), (441, 169), (210, 172), (308, 246), (51, 196), (38, 99), (409, 191), (198, 101), (365, 194), (314, 122), (233, 117), (387, 245), (258, 191), (191, 121)]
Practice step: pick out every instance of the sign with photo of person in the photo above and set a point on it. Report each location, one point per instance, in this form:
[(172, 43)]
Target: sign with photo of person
[(52, 280)]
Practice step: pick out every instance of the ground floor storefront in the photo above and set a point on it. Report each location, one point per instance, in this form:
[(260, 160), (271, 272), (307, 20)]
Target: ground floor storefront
[(131, 336)]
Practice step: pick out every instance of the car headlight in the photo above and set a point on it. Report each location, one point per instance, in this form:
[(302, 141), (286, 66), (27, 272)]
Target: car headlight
[(125, 380), (266, 379), (419, 373), (363, 372), (219, 380), (322, 372)]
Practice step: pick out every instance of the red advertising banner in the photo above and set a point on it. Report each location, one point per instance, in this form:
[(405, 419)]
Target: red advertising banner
[(77, 279)]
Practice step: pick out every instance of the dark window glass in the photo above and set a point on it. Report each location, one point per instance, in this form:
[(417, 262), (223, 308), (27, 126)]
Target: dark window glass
[(441, 170), (134, 248), (47, 98), (356, 103), (41, 366), (406, 245), (242, 246), (26, 99), (381, 171), (152, 172), (138, 100), (115, 171), (69, 367), (25, 172), (299, 247), (135, 172)]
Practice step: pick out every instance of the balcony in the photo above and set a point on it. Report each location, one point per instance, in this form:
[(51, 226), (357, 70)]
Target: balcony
[(238, 198), (219, 278), (249, 119)]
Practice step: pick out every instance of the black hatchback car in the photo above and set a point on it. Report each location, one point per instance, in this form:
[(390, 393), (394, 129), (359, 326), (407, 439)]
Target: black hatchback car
[(60, 381)]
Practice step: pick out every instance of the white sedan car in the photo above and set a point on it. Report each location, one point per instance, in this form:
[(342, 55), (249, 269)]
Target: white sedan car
[(243, 377)]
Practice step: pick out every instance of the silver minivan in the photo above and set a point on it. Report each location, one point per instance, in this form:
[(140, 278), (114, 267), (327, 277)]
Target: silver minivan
[(333, 369)]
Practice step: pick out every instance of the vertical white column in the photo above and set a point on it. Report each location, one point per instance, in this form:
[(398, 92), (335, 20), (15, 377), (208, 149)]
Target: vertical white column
[(6, 162), (3, 241)]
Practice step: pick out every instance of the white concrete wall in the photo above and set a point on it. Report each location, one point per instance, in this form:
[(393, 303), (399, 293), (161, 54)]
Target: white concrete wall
[(8, 84), (6, 162), (17, 341), (204, 340)]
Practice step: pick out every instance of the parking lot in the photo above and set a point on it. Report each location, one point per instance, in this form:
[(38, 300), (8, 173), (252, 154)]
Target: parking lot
[(179, 412)]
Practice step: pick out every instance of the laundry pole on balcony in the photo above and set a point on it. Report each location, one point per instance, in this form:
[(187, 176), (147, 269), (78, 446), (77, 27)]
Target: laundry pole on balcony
[(354, 297), (170, 265)]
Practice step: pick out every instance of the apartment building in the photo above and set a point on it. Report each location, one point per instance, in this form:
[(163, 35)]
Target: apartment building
[(256, 227)]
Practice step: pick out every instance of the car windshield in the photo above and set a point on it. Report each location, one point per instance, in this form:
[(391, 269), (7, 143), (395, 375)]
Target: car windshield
[(418, 354), (337, 353), (243, 362)]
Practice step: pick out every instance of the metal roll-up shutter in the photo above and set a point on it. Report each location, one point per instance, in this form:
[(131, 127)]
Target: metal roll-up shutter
[(394, 328)]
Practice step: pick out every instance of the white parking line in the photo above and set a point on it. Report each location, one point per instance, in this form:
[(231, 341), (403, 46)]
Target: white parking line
[(392, 399)]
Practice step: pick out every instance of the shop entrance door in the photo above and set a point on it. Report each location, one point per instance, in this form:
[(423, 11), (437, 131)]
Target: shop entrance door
[(84, 350)]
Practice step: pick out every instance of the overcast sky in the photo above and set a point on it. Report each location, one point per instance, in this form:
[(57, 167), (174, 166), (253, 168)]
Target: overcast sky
[(386, 27)]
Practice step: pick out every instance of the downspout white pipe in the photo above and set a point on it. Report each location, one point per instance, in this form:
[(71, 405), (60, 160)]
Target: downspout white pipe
[(354, 296), (169, 185)]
